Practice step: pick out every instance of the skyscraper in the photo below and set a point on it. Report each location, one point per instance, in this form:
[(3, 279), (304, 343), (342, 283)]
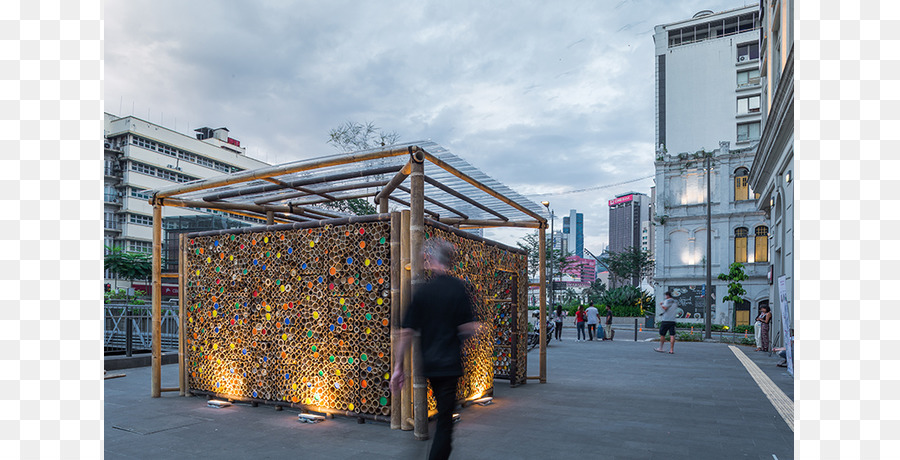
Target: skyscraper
[(629, 216), (574, 233)]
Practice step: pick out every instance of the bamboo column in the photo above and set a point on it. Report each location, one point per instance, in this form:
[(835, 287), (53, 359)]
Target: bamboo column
[(542, 249), (383, 209), (270, 218), (514, 331), (182, 347), (406, 410), (156, 292), (416, 243), (396, 396)]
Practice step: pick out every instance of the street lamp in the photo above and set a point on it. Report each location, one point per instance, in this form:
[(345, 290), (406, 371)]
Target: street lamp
[(552, 289)]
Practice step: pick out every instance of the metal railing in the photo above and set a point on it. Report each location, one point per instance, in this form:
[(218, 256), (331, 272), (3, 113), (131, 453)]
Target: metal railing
[(129, 327)]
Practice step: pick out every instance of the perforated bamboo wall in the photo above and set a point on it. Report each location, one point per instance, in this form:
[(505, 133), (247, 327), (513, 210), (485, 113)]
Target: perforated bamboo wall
[(303, 315)]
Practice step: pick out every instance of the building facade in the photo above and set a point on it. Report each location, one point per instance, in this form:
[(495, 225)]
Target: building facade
[(773, 167), (141, 156), (707, 81), (739, 232), (629, 225), (573, 229)]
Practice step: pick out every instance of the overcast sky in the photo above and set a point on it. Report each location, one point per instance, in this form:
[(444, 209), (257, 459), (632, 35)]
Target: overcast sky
[(545, 97)]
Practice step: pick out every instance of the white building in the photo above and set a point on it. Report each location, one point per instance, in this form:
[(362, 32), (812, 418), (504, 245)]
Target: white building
[(773, 167), (708, 98), (707, 81), (140, 156), (739, 234)]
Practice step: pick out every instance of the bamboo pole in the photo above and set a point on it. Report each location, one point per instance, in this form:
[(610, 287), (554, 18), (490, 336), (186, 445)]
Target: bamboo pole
[(273, 171), (249, 207), (395, 181), (484, 188), (298, 188), (336, 188), (484, 223), (182, 325), (383, 207), (514, 331), (542, 249), (396, 396), (406, 411), (416, 243), (406, 203), (270, 217), (156, 292), (342, 197), (480, 239), (475, 203), (298, 225), (438, 203), (255, 190)]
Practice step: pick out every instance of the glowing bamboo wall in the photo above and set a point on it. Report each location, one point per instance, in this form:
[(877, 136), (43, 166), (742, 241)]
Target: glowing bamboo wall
[(303, 315)]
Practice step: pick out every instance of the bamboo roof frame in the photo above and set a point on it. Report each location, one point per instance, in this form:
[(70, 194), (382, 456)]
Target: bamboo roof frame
[(288, 193)]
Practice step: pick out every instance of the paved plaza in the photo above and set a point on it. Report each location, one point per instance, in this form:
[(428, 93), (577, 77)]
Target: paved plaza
[(602, 400)]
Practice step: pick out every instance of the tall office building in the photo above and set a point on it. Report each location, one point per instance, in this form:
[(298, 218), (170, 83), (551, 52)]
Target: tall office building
[(140, 156), (574, 233), (708, 106), (773, 167), (629, 225)]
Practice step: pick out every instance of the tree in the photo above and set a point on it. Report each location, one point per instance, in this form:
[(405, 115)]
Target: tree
[(595, 291), (556, 259), (735, 275), (353, 136), (128, 265), (632, 263)]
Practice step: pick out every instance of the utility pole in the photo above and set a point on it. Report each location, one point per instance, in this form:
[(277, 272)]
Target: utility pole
[(708, 328)]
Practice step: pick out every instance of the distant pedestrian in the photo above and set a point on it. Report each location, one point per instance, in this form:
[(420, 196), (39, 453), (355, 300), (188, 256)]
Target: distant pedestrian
[(593, 319), (764, 318), (559, 321), (442, 314), (609, 317), (579, 323), (667, 323)]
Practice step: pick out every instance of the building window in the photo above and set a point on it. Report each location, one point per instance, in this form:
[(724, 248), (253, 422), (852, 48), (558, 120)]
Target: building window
[(741, 189), (749, 104), (140, 246), (748, 52), (748, 132), (748, 78), (140, 219), (762, 244), (740, 245)]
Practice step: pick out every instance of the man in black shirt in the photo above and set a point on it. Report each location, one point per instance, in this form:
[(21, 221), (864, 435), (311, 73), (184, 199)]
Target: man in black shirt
[(441, 313)]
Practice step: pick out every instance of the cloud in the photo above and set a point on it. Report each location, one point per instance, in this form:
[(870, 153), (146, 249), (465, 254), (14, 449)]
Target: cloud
[(543, 97)]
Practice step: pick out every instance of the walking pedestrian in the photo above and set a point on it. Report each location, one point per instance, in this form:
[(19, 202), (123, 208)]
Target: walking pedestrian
[(559, 322), (609, 317), (442, 313), (593, 319), (667, 323), (764, 318), (579, 323)]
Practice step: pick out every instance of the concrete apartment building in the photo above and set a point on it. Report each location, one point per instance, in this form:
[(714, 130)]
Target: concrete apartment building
[(708, 99), (772, 173), (141, 156)]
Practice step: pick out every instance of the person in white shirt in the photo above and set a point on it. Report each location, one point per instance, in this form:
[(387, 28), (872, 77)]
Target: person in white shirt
[(593, 319), (667, 323)]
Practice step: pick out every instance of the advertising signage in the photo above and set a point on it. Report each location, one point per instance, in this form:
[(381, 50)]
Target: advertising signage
[(621, 199)]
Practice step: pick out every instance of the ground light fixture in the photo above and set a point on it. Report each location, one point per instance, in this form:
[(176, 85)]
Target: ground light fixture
[(486, 401), (218, 404), (310, 418)]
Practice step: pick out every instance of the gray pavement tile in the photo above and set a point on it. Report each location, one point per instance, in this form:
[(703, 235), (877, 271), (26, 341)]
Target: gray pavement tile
[(626, 400)]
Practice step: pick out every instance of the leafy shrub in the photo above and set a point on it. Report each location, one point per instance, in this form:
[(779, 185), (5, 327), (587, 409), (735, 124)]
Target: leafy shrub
[(628, 301)]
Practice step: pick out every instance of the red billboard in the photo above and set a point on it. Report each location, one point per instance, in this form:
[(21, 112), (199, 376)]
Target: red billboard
[(621, 199)]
